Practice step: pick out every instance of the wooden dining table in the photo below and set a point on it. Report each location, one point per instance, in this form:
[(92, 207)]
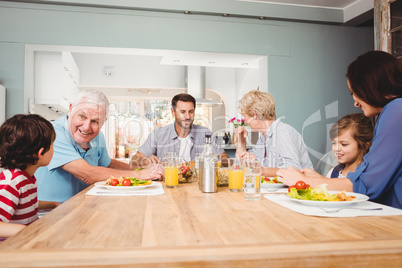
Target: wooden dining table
[(185, 227)]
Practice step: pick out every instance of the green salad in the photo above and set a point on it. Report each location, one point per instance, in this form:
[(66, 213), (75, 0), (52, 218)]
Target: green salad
[(319, 193), (268, 180)]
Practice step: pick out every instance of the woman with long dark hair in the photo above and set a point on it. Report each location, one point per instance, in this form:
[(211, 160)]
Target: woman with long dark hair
[(375, 82)]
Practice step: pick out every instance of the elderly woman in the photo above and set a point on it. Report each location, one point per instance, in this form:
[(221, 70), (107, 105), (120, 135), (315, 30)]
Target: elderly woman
[(279, 145), (375, 83)]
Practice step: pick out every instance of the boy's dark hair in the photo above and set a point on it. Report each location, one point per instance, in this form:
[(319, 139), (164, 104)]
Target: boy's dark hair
[(182, 97), (21, 137)]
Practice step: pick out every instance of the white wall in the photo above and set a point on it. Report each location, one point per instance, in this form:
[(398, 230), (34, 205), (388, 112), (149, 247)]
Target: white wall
[(306, 61)]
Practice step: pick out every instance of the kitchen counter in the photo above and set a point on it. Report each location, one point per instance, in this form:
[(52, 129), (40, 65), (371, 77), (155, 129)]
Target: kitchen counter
[(185, 227)]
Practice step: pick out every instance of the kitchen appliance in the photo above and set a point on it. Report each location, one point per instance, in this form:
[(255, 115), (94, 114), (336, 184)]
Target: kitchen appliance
[(208, 168)]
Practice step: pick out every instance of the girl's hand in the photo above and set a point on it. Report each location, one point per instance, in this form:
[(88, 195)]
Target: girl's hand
[(290, 176), (309, 172)]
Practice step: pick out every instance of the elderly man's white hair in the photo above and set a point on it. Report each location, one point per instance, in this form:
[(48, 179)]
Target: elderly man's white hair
[(93, 96)]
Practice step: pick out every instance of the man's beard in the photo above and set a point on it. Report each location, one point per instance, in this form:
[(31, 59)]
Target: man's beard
[(182, 125)]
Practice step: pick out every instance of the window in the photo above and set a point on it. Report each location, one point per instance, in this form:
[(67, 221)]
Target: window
[(388, 23), (131, 121)]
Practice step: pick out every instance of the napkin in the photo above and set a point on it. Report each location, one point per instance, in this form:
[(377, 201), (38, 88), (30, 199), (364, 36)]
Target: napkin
[(155, 189), (285, 201)]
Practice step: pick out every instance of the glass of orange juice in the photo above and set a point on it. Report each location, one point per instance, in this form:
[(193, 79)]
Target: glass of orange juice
[(235, 175), (171, 164)]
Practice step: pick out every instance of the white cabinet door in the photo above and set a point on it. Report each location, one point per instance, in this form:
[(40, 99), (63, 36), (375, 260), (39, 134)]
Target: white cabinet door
[(56, 80)]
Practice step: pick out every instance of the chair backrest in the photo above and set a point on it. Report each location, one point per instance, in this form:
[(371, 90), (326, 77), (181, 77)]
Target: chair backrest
[(326, 162)]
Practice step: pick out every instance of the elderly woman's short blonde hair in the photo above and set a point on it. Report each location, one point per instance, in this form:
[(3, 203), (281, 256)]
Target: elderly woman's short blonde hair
[(262, 103)]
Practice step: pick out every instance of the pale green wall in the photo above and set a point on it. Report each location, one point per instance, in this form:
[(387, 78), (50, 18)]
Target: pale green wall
[(306, 62)]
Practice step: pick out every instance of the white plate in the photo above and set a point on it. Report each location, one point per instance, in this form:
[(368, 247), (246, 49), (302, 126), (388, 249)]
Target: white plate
[(333, 204), (272, 185), (123, 188)]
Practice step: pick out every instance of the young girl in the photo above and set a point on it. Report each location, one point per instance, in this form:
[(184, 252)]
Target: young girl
[(26, 143), (351, 139)]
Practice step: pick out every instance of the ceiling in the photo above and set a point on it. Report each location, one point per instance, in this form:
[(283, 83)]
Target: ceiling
[(348, 12), (317, 3), (334, 12)]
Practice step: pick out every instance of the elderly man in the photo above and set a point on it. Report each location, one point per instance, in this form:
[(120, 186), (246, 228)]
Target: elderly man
[(80, 156), (183, 137)]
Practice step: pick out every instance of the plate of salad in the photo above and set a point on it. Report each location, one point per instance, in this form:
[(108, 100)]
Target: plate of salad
[(123, 183), (321, 197), (271, 183)]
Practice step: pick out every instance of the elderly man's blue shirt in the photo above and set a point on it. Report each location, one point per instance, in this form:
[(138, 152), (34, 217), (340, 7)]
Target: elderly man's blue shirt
[(56, 184)]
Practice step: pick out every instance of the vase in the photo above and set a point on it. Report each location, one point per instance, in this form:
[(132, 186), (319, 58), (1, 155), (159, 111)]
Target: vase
[(234, 140)]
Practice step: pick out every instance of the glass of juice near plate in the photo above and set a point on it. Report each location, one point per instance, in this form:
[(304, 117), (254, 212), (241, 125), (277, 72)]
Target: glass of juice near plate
[(235, 173), (251, 181), (171, 164)]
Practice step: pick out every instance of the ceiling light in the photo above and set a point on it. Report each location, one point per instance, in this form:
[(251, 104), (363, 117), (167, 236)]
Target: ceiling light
[(109, 71), (144, 91)]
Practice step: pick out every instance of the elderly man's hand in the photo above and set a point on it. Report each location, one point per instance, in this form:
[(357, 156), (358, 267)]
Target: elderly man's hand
[(153, 171)]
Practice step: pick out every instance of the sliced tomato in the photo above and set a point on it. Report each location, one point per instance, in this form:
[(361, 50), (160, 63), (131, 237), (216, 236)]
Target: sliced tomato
[(126, 182), (114, 182), (266, 179), (290, 187), (300, 185)]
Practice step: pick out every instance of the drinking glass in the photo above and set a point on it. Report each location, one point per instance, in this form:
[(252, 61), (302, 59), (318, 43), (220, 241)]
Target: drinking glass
[(171, 163), (251, 183), (219, 160), (235, 175)]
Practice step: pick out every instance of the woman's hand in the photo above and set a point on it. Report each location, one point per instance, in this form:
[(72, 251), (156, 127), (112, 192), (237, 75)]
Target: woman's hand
[(241, 134), (246, 155)]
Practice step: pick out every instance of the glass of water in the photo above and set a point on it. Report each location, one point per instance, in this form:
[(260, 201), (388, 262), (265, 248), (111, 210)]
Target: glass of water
[(251, 179)]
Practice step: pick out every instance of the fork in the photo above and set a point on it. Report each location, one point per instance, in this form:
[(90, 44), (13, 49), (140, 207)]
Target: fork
[(338, 209)]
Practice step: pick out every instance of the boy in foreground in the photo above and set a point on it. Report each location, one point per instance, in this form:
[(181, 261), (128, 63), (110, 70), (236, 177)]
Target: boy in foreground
[(26, 143)]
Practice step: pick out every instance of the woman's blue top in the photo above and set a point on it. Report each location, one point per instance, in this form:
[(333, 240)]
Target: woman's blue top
[(380, 174)]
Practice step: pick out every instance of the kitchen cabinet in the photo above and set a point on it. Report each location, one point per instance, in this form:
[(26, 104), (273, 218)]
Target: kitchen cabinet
[(388, 26), (56, 80)]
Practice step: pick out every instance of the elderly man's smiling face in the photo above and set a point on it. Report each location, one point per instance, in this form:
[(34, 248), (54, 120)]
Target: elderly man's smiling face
[(85, 120)]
